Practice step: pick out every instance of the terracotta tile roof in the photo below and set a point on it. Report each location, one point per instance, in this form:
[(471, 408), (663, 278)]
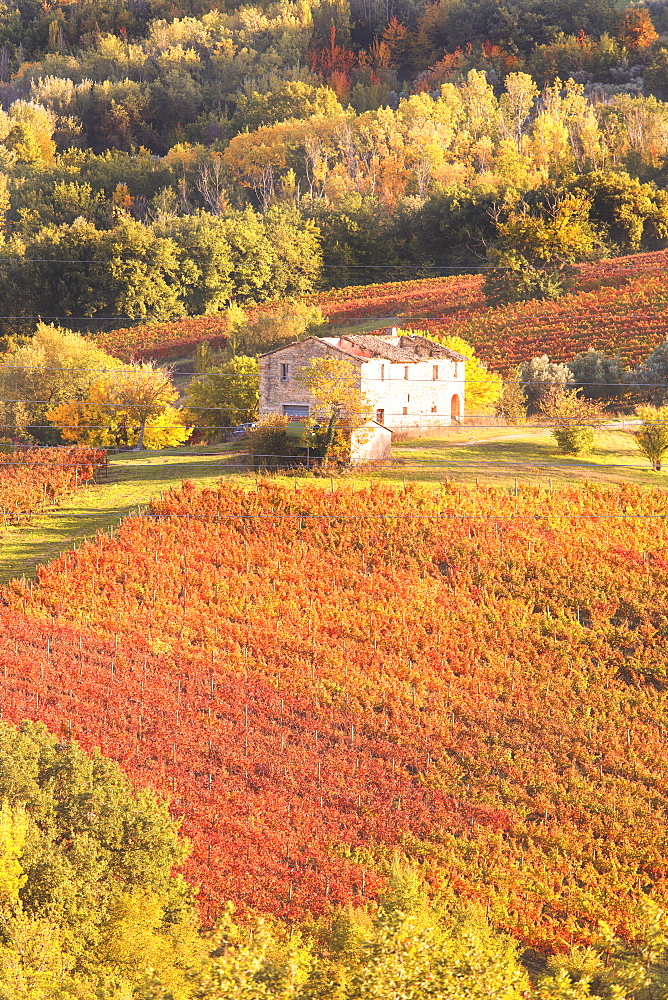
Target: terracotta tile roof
[(409, 350), (328, 341), (404, 349)]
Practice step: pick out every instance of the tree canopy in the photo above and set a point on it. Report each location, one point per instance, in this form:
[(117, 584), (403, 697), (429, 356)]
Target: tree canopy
[(224, 395), (129, 407), (89, 902)]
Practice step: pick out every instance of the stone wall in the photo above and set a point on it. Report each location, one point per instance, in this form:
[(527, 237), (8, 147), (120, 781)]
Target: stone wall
[(275, 391), (370, 443), (418, 401)]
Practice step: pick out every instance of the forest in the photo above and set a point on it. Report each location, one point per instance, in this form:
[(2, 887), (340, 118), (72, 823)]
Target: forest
[(159, 161)]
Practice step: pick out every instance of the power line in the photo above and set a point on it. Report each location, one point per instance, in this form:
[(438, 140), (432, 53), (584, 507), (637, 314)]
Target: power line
[(435, 361), (473, 269), (329, 517)]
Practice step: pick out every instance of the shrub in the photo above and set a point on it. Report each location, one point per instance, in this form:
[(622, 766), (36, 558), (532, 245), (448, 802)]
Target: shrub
[(652, 438), (513, 402), (574, 440), (516, 280), (269, 444), (571, 416)]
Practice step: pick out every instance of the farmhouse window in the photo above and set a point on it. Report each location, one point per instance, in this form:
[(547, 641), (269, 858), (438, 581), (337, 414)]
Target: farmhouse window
[(406, 372), (380, 416), (405, 411), (434, 373), (456, 369), (382, 373), (285, 372)]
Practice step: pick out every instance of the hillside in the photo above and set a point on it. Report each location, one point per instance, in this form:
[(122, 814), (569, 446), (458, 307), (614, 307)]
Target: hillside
[(619, 307), (474, 677), (36, 480)]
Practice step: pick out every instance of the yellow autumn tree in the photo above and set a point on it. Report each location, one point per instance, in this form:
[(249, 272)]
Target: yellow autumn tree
[(13, 830), (338, 404), (130, 407)]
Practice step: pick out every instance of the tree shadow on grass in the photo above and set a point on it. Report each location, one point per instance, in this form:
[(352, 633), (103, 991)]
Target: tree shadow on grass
[(131, 480)]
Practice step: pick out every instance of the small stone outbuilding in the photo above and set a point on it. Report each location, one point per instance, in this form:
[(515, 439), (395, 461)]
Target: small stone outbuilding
[(370, 443)]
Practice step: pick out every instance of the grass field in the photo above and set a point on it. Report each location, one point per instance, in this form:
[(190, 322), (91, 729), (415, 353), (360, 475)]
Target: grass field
[(498, 456), (131, 480)]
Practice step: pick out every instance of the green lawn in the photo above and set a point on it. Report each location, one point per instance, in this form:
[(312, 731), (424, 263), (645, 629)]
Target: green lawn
[(499, 456), (131, 480)]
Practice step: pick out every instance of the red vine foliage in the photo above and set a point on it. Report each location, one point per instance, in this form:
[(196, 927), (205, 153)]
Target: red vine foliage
[(34, 479), (318, 679), (620, 307)]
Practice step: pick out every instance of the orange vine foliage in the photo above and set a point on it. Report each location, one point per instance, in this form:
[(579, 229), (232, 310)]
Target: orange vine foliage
[(620, 308), (317, 679), (33, 479)]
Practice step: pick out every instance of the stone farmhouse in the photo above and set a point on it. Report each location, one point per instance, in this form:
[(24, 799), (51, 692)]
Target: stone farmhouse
[(411, 382)]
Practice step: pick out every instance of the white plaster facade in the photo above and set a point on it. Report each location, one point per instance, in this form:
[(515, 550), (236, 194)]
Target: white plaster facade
[(370, 443), (410, 382)]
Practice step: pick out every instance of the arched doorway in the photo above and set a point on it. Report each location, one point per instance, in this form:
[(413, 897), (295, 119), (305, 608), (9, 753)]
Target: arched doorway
[(455, 408)]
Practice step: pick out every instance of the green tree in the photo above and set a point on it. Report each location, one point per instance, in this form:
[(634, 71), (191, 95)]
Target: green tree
[(533, 255), (55, 365), (652, 437), (418, 949), (297, 258), (260, 331), (224, 396), (286, 100), (598, 376), (139, 273), (632, 215), (206, 259), (270, 445), (656, 74), (355, 234), (650, 378), (451, 229), (538, 376), (79, 270), (275, 255), (96, 860)]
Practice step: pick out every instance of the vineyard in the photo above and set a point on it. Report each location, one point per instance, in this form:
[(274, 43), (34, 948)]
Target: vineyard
[(163, 341), (627, 322), (460, 297), (317, 679), (620, 307), (35, 479)]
